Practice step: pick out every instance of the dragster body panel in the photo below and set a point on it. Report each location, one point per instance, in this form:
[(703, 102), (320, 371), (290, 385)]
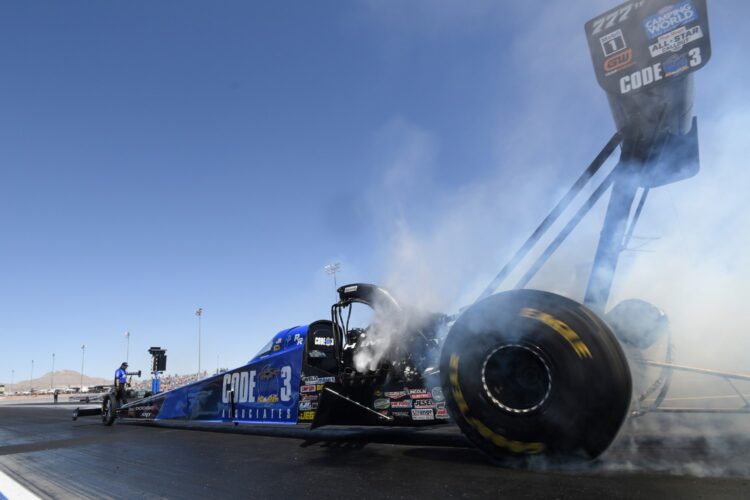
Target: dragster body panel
[(265, 390)]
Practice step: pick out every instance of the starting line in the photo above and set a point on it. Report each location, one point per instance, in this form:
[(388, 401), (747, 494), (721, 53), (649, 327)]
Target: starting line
[(11, 490)]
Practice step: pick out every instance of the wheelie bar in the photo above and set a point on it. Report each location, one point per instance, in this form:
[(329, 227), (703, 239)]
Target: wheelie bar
[(86, 412)]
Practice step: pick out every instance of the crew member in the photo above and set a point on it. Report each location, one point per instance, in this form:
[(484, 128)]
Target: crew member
[(121, 379)]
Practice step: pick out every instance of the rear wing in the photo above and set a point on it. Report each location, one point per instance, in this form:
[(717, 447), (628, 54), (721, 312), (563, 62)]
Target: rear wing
[(642, 43), (644, 54)]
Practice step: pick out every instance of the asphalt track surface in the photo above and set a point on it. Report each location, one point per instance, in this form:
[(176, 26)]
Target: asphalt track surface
[(53, 457)]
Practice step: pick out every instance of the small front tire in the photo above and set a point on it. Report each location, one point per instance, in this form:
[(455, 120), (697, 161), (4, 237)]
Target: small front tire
[(109, 409)]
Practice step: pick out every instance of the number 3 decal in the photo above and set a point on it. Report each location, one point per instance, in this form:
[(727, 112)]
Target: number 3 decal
[(286, 377), (695, 57)]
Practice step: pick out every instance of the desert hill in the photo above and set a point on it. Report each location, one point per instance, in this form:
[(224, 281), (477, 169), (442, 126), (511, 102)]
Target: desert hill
[(63, 378)]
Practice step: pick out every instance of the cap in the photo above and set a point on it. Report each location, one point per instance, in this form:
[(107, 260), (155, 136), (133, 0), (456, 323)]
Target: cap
[(124, 363)]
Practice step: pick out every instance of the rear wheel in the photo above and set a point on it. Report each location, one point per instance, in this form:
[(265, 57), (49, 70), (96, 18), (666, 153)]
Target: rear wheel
[(527, 372)]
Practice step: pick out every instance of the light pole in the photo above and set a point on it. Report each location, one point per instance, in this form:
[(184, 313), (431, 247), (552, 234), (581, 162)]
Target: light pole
[(333, 269), (52, 381), (31, 377), (83, 356), (199, 313), (12, 376), (127, 347)]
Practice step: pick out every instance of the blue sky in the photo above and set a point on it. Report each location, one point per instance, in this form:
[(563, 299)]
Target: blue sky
[(157, 157)]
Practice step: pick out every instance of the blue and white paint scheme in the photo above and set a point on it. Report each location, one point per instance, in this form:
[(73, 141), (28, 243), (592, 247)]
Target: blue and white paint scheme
[(265, 390)]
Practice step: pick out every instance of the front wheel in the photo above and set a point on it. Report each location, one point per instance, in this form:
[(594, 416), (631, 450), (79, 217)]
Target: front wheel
[(527, 372), (109, 409)]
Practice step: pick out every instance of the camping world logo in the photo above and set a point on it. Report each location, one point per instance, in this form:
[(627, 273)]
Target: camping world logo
[(669, 18)]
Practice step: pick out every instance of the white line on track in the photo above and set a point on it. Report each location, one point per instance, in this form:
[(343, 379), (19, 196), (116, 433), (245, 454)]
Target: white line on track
[(12, 490)]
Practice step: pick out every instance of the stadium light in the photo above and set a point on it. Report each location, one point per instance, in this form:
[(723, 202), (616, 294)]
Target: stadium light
[(199, 313), (52, 380), (12, 376), (333, 268), (127, 346), (83, 356), (31, 377)]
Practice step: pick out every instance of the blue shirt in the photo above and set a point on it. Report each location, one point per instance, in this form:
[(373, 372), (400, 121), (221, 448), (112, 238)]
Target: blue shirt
[(121, 375)]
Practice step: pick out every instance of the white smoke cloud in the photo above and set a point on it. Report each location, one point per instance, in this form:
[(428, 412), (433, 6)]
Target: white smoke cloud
[(697, 268)]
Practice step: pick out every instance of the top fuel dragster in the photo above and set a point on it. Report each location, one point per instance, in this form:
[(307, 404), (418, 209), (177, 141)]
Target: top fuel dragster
[(522, 372)]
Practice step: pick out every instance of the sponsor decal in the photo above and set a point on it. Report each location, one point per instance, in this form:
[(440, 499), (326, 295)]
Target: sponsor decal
[(618, 61), (420, 394), (675, 40), (382, 404), (675, 65), (384, 413), (442, 413), (271, 385), (628, 83), (437, 394), (307, 415), (395, 394), (401, 404), (403, 414), (613, 18), (308, 405), (307, 388), (263, 414), (318, 380), (423, 403), (325, 341), (612, 43), (271, 398), (566, 332), (670, 17), (422, 414), (309, 397)]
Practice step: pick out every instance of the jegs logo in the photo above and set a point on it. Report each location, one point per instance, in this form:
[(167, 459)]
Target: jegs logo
[(669, 18), (615, 17)]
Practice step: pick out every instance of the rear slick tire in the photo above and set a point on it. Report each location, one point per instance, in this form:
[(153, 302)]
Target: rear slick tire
[(528, 372)]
